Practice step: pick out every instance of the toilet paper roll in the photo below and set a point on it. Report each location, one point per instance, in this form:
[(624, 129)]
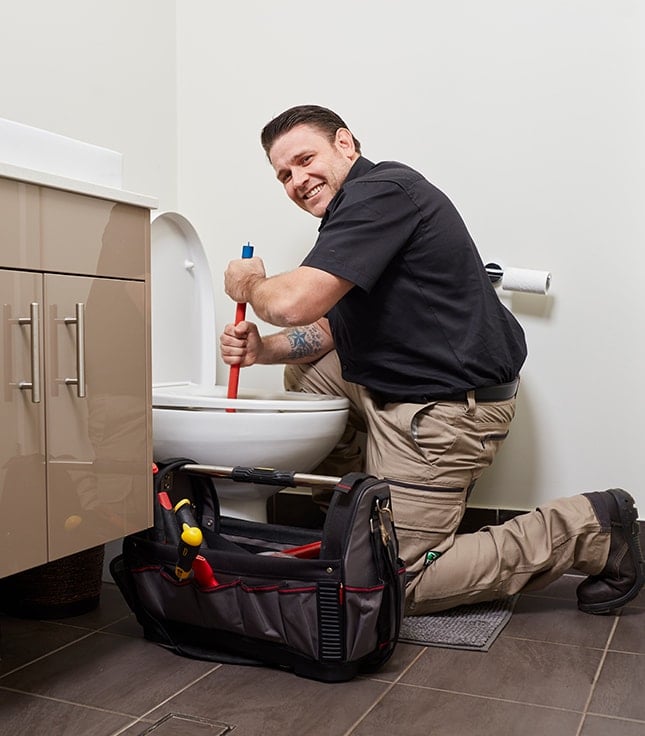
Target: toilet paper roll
[(527, 280)]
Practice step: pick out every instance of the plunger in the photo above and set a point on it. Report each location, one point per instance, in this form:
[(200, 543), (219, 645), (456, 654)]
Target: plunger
[(240, 314)]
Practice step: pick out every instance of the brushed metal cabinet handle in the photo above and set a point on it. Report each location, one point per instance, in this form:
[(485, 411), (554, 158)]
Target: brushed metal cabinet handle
[(79, 321), (34, 321)]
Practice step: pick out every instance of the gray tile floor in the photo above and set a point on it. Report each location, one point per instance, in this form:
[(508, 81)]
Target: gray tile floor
[(553, 670)]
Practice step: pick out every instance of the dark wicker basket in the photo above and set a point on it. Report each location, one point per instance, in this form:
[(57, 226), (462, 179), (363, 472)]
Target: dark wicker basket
[(70, 586)]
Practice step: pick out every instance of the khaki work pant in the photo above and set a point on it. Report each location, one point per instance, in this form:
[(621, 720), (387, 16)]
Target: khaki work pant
[(431, 455)]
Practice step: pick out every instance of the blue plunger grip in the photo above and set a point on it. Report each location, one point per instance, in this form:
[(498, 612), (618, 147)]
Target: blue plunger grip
[(247, 251)]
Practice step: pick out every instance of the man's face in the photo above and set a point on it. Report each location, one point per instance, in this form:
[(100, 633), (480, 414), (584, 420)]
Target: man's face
[(311, 167)]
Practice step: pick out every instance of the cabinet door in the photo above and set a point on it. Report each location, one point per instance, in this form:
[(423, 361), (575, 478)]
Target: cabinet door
[(19, 233), (87, 235), (23, 501), (98, 424)]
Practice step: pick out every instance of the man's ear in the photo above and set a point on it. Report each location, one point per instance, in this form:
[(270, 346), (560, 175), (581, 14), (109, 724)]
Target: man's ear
[(345, 142)]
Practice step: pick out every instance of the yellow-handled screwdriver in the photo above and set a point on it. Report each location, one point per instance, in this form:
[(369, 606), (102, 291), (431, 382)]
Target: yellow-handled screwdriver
[(190, 539)]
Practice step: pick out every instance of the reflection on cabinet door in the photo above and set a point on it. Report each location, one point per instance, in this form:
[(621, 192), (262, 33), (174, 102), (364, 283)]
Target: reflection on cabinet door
[(106, 238), (98, 465), (19, 229), (23, 502)]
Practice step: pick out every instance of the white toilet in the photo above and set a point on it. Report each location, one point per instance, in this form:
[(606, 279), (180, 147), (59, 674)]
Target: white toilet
[(268, 429)]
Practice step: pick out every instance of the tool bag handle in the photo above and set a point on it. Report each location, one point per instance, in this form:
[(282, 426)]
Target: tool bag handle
[(263, 476), (335, 529)]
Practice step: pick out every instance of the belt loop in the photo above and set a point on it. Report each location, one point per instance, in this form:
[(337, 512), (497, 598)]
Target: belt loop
[(470, 399)]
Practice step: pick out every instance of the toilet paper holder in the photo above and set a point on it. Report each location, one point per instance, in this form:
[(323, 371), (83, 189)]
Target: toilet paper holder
[(519, 279), (494, 271)]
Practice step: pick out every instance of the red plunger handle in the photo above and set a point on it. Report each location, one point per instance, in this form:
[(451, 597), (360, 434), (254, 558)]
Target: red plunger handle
[(234, 372), (240, 314)]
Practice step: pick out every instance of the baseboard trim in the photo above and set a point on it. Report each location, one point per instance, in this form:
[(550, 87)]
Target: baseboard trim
[(298, 509)]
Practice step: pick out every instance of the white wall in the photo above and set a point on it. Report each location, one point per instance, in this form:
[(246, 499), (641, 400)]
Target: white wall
[(528, 115), (101, 72)]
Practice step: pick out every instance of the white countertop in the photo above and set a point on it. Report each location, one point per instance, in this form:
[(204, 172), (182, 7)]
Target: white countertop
[(9, 171)]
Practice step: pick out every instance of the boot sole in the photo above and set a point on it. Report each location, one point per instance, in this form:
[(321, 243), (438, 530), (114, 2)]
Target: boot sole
[(629, 522)]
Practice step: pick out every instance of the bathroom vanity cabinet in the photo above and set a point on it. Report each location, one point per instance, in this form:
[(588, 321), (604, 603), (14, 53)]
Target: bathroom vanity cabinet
[(75, 390)]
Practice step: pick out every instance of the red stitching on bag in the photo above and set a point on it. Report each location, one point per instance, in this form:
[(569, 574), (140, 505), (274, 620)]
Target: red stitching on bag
[(364, 590), (220, 586), (171, 579), (257, 588), (147, 568)]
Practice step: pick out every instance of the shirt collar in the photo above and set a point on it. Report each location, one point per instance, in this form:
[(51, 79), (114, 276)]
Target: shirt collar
[(361, 166)]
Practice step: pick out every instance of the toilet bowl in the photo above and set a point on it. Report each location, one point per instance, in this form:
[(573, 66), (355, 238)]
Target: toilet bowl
[(276, 429)]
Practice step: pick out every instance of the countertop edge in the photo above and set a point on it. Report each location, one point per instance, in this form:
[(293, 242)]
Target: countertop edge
[(44, 178)]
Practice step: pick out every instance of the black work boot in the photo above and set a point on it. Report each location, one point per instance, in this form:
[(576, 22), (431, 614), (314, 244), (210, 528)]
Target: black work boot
[(623, 575)]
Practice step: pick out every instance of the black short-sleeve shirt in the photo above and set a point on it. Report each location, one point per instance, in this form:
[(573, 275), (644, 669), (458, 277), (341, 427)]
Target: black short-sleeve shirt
[(423, 318)]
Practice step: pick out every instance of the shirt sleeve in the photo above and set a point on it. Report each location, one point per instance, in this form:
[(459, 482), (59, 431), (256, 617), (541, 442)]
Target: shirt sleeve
[(366, 225)]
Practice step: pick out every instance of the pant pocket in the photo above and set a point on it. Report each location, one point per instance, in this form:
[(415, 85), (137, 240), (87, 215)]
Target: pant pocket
[(425, 519)]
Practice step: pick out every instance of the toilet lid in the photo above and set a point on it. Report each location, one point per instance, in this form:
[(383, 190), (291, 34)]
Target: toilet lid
[(183, 305)]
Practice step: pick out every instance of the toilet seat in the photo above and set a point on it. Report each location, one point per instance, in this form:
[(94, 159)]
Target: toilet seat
[(184, 342), (199, 398), (183, 307)]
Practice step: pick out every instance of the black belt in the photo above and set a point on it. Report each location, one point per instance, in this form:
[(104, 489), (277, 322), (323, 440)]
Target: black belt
[(500, 392)]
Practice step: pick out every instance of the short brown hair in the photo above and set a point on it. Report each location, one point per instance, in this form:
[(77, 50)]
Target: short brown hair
[(319, 117)]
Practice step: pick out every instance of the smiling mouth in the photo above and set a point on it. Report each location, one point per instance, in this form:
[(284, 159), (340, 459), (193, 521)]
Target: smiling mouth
[(313, 192)]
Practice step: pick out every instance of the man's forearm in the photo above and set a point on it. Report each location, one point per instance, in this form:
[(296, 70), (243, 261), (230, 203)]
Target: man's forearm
[(299, 297), (296, 345)]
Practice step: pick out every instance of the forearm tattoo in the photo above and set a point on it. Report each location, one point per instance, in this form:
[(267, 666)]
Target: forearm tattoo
[(304, 341)]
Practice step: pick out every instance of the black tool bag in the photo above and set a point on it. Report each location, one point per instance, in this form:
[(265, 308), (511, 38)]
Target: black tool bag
[(326, 605)]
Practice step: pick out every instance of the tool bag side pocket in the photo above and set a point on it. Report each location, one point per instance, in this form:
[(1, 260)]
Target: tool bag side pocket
[(359, 529)]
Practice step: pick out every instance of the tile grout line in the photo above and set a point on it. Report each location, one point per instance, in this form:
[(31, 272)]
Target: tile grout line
[(74, 703), (618, 719), (63, 624), (594, 682), (135, 719), (553, 643), (480, 696), (88, 633), (394, 682), (44, 656), (166, 700), (114, 623)]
